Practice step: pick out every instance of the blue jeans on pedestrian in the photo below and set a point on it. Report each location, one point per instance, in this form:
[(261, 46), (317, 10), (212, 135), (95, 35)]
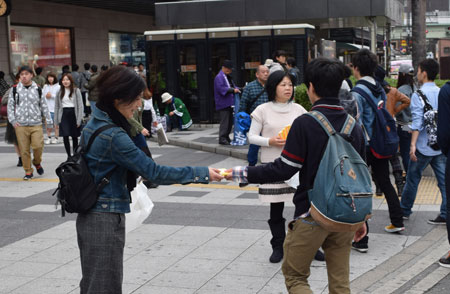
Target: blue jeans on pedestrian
[(405, 142), (252, 155), (414, 176)]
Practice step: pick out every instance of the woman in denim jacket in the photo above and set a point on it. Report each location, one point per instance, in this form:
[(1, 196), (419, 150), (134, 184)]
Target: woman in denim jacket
[(101, 231)]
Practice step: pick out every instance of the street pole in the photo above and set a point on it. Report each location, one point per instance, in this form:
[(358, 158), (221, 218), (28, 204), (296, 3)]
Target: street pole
[(418, 8), (388, 48), (373, 34), (8, 47)]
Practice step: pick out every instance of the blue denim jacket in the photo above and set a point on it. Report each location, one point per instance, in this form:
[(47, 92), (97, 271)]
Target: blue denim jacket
[(113, 147)]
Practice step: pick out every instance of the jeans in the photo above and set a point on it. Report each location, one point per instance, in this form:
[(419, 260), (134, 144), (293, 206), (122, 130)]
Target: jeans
[(414, 176), (252, 155), (447, 190), (405, 142)]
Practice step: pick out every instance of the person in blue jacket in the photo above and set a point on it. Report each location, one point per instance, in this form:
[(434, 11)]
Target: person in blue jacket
[(443, 136), (101, 231)]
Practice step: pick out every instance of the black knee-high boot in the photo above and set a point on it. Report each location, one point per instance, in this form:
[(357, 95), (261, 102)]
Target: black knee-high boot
[(278, 234)]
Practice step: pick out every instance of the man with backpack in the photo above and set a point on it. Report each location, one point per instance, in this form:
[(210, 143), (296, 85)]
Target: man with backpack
[(253, 95), (324, 136), (380, 135), (26, 106), (424, 148)]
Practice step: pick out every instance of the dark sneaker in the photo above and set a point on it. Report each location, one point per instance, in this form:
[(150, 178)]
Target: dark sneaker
[(378, 191), (445, 261), (39, 169), (406, 217), (28, 177), (242, 185), (360, 247), (437, 221), (19, 163), (319, 256)]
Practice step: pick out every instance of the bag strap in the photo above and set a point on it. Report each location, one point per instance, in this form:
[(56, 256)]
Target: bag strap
[(348, 126), (254, 100), (365, 96), (425, 101), (323, 121), (95, 134)]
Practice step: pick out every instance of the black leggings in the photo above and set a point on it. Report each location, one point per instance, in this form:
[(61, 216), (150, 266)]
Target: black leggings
[(67, 144), (276, 211)]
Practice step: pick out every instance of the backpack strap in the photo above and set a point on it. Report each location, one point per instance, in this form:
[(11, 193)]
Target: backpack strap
[(16, 101), (366, 96), (348, 126), (323, 121), (425, 101), (95, 134)]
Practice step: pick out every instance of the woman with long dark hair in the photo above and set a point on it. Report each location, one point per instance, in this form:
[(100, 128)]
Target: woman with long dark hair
[(101, 231), (405, 85), (50, 92), (69, 112)]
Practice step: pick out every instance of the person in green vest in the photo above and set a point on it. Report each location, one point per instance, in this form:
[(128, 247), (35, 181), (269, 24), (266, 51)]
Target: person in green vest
[(177, 112)]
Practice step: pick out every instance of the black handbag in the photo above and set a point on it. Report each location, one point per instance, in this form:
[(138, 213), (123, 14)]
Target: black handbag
[(77, 191)]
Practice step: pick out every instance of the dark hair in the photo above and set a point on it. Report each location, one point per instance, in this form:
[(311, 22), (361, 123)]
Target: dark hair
[(274, 80), (17, 77), (104, 67), (291, 61), (63, 89), (278, 53), (87, 66), (365, 61), (119, 83), (94, 68), (405, 79), (2, 75), (25, 68), (66, 69), (122, 84), (75, 67), (55, 79), (326, 75), (38, 70), (140, 63), (347, 72), (431, 67)]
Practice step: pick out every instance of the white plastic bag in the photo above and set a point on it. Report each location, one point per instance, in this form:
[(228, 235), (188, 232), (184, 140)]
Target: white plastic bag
[(161, 135), (140, 208)]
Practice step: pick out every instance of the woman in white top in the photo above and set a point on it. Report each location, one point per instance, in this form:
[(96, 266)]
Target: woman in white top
[(50, 90), (268, 120), (69, 112)]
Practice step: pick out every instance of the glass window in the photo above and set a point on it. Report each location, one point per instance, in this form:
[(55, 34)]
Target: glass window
[(49, 48), (129, 48)]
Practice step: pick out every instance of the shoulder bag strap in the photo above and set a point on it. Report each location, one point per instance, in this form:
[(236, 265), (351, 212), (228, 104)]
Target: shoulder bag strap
[(366, 96), (425, 101), (254, 100), (323, 121), (95, 134)]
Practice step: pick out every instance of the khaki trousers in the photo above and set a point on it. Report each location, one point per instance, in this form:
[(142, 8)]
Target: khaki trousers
[(33, 137), (303, 239)]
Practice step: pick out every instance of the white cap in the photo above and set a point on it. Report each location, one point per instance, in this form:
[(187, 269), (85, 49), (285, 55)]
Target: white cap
[(268, 62), (166, 97)]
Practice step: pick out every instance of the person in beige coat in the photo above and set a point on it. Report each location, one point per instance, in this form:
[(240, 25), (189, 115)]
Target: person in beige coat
[(69, 112)]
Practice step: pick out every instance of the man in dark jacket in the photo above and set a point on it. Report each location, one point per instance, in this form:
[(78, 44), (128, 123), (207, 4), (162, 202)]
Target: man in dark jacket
[(443, 134), (304, 149)]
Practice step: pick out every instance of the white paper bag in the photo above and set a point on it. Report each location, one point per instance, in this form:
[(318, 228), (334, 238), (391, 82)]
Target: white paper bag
[(140, 208), (161, 136)]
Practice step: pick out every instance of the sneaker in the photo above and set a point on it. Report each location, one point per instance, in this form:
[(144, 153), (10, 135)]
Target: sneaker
[(445, 261), (360, 247), (47, 141), (28, 177), (54, 141), (319, 256), (378, 191), (437, 221), (19, 163), (406, 217), (393, 229), (39, 169)]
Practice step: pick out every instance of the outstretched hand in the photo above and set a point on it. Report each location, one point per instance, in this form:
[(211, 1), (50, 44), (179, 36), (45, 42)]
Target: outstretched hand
[(229, 174), (214, 175)]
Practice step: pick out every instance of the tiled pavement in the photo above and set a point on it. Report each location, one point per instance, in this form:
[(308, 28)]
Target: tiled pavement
[(198, 239)]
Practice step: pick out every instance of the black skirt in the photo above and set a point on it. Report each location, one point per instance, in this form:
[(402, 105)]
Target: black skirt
[(68, 124)]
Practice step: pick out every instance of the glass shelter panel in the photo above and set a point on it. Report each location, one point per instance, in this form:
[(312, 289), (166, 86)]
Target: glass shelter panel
[(188, 77)]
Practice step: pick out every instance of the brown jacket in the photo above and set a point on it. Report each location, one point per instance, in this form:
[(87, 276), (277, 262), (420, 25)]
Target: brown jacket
[(393, 98)]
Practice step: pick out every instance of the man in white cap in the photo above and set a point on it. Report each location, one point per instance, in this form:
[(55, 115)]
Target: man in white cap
[(177, 112)]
